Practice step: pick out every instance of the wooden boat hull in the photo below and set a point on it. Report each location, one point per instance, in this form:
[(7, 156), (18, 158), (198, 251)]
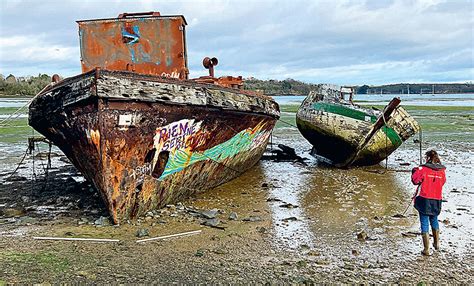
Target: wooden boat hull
[(337, 128), (145, 142)]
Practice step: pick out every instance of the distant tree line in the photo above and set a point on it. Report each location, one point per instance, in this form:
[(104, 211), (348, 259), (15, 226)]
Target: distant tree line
[(424, 88), (294, 87), (29, 85), (278, 87)]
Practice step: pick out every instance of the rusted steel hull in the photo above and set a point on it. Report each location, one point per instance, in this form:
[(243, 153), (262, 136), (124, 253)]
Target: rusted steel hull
[(145, 142), (344, 133)]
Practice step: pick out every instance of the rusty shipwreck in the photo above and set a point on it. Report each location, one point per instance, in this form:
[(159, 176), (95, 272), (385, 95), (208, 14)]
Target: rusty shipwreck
[(346, 134), (137, 128)]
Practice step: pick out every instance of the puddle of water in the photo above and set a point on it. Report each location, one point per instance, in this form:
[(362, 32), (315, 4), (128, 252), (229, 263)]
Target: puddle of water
[(286, 191), (335, 205)]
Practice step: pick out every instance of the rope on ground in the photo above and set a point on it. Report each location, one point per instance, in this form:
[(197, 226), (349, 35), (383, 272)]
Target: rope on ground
[(36, 146), (45, 168), (48, 164), (19, 164), (287, 123), (32, 152)]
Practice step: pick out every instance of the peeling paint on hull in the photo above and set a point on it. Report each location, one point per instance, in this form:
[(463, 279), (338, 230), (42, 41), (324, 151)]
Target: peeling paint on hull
[(145, 141), (149, 44), (336, 129)]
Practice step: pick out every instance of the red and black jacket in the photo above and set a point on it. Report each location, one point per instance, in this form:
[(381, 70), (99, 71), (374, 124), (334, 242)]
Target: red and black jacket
[(431, 178)]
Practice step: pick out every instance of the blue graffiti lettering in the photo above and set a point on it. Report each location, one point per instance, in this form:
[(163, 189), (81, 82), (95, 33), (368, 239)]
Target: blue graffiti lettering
[(132, 37)]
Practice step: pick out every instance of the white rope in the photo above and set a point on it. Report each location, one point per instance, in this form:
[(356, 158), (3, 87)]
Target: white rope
[(9, 118)]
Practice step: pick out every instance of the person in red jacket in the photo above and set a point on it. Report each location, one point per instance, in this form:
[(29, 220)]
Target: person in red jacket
[(430, 178)]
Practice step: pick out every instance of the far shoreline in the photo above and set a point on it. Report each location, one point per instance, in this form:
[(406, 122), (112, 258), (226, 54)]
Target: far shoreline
[(285, 95)]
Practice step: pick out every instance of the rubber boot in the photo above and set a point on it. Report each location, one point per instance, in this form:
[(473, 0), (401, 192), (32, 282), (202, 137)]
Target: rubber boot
[(436, 238), (426, 244)]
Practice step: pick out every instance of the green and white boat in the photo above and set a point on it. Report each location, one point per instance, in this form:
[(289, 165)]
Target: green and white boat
[(346, 134)]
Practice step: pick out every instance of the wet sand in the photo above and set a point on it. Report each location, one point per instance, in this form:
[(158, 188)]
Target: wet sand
[(295, 223)]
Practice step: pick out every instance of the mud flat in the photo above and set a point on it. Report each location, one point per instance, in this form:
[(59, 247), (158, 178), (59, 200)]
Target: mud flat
[(279, 222)]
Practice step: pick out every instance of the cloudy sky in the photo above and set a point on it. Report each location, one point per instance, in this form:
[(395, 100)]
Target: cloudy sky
[(341, 42)]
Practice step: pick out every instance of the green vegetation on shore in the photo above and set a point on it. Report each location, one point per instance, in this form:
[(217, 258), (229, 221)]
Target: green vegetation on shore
[(31, 85), (278, 87), (418, 88), (23, 86), (294, 87)]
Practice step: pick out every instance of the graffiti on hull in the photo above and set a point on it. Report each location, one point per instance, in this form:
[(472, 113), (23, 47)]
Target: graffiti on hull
[(177, 135), (175, 145)]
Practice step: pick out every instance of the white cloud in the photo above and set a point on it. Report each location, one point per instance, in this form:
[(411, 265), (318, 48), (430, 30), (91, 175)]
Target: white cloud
[(340, 41), (34, 49)]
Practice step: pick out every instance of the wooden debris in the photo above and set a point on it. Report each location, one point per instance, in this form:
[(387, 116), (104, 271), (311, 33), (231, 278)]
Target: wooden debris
[(76, 239), (170, 236)]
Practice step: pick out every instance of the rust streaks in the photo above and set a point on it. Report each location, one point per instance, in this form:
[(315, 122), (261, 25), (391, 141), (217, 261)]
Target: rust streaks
[(151, 45)]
